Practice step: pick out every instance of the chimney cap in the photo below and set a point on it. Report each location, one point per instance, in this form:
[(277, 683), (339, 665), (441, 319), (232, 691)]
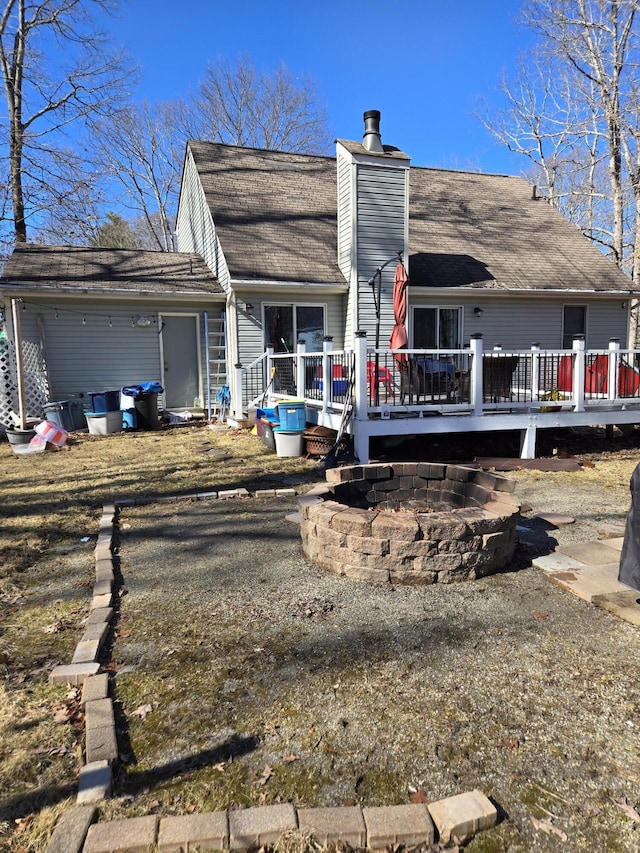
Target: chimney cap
[(372, 140)]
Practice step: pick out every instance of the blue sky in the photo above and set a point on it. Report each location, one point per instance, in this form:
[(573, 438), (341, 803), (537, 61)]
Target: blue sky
[(422, 63)]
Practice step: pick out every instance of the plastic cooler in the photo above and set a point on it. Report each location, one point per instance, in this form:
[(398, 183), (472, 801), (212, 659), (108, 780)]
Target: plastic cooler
[(104, 401), (292, 414)]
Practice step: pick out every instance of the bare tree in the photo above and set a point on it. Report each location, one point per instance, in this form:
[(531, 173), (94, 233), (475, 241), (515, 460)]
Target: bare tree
[(142, 146), (240, 105), (56, 72)]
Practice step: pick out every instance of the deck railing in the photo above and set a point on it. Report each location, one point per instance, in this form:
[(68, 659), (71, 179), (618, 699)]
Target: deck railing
[(381, 383)]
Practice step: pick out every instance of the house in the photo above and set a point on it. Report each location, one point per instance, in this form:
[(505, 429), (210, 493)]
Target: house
[(279, 248), (96, 319), (295, 240)]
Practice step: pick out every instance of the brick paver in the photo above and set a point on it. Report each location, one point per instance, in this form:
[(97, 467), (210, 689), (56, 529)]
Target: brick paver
[(74, 673), (95, 687), (95, 782), (135, 835), (398, 825), (338, 824), (463, 815), (86, 651), (71, 830), (194, 832), (260, 825)]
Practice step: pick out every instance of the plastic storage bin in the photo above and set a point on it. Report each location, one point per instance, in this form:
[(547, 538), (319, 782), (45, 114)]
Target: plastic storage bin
[(104, 423), (265, 431), (292, 414), (104, 401), (289, 442), (66, 413), (129, 419)]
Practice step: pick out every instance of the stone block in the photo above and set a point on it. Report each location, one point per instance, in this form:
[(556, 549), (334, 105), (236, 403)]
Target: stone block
[(388, 485), (388, 526), (441, 525), (95, 687), (96, 632), (95, 782), (460, 473), (86, 651), (406, 825), (365, 573), (101, 745), (504, 484), (329, 536), (368, 545), (376, 472), (465, 545), (412, 577), (100, 614), (259, 493), (438, 563), (357, 522), (102, 587), (71, 829), (209, 831), (260, 824), (418, 548), (133, 835), (431, 470), (73, 673), (463, 815), (98, 602), (99, 713), (207, 496), (484, 479), (331, 825)]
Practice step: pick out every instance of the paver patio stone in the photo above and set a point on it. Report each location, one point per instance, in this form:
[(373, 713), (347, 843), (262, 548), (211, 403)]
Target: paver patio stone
[(463, 815), (74, 673), (71, 829), (410, 824), (327, 825), (94, 784)]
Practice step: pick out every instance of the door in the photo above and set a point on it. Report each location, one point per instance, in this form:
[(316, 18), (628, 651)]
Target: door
[(180, 356)]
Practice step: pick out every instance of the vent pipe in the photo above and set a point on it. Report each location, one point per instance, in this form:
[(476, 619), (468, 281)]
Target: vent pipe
[(371, 137)]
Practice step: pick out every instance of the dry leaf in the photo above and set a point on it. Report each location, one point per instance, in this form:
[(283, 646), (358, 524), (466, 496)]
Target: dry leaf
[(511, 743), (190, 808), (548, 827), (267, 773), (220, 766), (539, 616), (288, 759), (141, 711), (61, 712), (629, 811), (418, 797)]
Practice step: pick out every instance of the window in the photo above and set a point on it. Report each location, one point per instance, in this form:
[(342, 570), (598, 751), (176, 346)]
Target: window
[(574, 322), (284, 325), (437, 328)]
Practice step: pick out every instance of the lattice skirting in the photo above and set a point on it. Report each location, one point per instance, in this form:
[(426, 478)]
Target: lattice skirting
[(35, 382)]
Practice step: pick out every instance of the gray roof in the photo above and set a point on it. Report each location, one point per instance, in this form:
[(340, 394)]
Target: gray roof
[(276, 216), (275, 213), (98, 271)]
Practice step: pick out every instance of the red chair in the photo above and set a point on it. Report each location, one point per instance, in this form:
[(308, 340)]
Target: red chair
[(384, 376)]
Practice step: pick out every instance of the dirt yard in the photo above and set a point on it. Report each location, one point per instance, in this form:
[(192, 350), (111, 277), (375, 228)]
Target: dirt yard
[(245, 675)]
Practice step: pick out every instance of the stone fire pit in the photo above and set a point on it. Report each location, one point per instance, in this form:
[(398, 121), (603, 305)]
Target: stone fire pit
[(410, 523)]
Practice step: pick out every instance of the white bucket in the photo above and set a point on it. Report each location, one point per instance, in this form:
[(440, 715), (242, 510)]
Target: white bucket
[(104, 423), (289, 442)]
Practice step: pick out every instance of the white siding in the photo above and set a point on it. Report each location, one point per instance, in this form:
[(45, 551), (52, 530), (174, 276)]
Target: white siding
[(195, 227)]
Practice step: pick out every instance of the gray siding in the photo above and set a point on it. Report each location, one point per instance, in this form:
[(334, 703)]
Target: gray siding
[(518, 323), (105, 351), (345, 214), (381, 215), (195, 227)]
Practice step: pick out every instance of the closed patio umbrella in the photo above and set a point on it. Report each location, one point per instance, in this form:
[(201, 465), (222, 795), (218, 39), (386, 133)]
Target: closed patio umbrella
[(399, 338)]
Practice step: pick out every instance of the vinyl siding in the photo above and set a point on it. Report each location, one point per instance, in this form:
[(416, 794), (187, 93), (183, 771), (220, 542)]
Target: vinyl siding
[(195, 227), (518, 323), (105, 351), (380, 234), (345, 214)]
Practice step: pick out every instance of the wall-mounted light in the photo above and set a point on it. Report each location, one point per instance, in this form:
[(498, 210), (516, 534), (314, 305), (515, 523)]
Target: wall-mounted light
[(140, 321), (477, 312), (248, 307)]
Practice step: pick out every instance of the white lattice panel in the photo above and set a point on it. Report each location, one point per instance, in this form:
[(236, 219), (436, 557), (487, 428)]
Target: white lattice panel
[(35, 381)]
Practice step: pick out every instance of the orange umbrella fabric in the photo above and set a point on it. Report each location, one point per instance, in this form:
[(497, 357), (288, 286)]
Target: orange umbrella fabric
[(399, 338)]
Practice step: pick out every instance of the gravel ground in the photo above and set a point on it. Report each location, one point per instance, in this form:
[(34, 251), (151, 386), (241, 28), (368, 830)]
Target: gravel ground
[(246, 675)]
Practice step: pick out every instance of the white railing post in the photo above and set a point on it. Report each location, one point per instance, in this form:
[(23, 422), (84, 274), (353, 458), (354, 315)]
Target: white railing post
[(360, 398), (535, 371), (270, 368), (301, 348), (614, 367), (327, 372), (475, 386), (238, 403), (578, 373)]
